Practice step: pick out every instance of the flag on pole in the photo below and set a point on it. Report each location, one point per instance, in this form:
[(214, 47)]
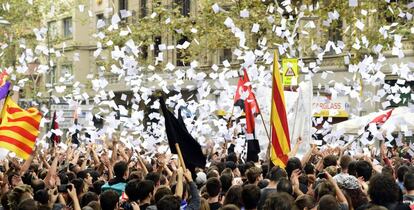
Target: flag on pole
[(280, 145), (4, 89), (246, 99), (54, 139), (75, 135), (378, 121), (177, 133), (19, 128)]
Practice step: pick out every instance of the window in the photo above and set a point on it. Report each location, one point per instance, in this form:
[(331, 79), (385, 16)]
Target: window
[(184, 5), (101, 18), (123, 5), (157, 42), (52, 29), (335, 34), (181, 53), (67, 27), (143, 8), (52, 75), (226, 54), (405, 97), (144, 52), (66, 70)]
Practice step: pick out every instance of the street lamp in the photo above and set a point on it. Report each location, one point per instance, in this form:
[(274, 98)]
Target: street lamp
[(4, 21)]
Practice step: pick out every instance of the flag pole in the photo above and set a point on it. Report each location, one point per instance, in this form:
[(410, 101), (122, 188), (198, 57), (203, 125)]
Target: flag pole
[(180, 156)]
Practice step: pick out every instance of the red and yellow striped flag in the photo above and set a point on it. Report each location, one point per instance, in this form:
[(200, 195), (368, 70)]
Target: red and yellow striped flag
[(280, 147), (19, 128)]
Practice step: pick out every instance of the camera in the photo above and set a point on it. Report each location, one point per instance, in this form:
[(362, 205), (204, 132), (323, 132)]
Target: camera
[(322, 175), (126, 206), (64, 188)]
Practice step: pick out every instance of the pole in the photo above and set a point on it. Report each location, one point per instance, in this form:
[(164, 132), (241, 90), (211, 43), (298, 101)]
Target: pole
[(180, 156)]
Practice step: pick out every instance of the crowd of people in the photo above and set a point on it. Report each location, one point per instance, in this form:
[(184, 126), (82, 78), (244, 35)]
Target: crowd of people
[(116, 177)]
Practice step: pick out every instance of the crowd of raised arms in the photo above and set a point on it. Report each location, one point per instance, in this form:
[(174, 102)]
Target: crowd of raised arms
[(116, 177)]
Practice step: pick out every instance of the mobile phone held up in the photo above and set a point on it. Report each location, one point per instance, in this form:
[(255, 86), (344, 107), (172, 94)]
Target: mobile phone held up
[(64, 188)]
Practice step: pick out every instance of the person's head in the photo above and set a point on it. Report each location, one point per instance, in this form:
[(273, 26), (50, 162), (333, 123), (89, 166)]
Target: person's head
[(14, 179), (284, 185), (161, 192), (344, 162), (402, 170), (383, 190), (363, 169), (309, 168), (305, 201), (328, 202), (28, 204), (18, 194), (292, 164), (169, 202), (232, 157), (234, 196), (279, 201), (204, 205), (324, 188), (229, 207), (213, 187), (226, 182), (94, 205), (38, 184), (97, 186), (109, 200), (250, 196), (254, 175), (86, 177), (139, 190), (330, 160), (121, 170), (79, 186), (87, 198), (213, 173), (409, 181), (276, 173), (41, 196), (154, 177), (352, 168)]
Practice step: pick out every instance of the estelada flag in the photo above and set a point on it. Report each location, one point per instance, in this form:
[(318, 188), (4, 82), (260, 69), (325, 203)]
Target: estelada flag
[(177, 133), (54, 139), (379, 120), (19, 128), (280, 146)]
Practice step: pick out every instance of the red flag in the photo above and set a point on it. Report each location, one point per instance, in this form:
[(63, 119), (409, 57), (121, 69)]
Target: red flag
[(382, 118), (55, 139), (246, 99)]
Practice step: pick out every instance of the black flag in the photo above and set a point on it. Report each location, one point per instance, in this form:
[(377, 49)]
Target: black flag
[(177, 133)]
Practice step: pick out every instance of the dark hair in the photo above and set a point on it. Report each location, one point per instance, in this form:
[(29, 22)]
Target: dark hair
[(363, 168), (79, 185), (82, 174), (161, 192), (357, 197), (154, 177), (38, 184), (324, 188), (232, 157), (212, 174), (231, 165), (383, 190), (28, 204), (305, 201), (250, 196), (328, 202), (330, 160), (279, 201), (234, 196), (139, 190), (41, 196), (5, 200), (309, 168), (292, 164), (252, 174), (284, 185), (169, 202), (108, 200), (345, 161), (213, 186), (409, 181), (352, 168), (226, 182), (97, 186), (87, 198), (276, 173), (230, 207), (120, 168), (402, 170)]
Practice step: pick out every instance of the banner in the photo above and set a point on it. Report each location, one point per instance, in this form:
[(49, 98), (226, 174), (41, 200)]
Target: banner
[(290, 71)]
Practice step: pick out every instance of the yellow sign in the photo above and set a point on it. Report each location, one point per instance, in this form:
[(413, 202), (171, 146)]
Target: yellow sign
[(290, 71)]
